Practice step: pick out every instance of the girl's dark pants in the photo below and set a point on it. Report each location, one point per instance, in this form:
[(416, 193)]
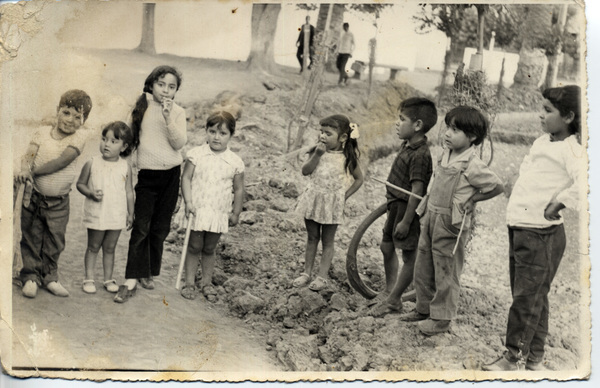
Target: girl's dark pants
[(43, 226), (535, 255), (155, 199)]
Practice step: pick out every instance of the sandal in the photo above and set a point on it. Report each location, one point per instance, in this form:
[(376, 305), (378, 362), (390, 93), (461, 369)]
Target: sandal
[(318, 284), (209, 293), (301, 280), (111, 285), (189, 292), (124, 293), (89, 287)]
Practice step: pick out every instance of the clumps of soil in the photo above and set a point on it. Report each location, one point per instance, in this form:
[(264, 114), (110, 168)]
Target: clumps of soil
[(328, 330)]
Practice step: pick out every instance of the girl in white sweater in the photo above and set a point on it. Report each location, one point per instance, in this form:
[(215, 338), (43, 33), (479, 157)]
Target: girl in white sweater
[(159, 128)]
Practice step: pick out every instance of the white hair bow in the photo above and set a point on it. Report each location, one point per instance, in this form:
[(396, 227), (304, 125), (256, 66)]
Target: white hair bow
[(354, 134)]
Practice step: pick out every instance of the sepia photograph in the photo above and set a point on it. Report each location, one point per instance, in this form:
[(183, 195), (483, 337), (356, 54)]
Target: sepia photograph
[(235, 191)]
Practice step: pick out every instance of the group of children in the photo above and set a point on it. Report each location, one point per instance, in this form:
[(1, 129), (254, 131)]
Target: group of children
[(429, 207), (429, 214)]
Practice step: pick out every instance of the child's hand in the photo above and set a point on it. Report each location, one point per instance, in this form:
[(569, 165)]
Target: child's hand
[(320, 149), (167, 104), (129, 222), (23, 177), (189, 211), (551, 211), (96, 195), (468, 207), (401, 230), (234, 219)]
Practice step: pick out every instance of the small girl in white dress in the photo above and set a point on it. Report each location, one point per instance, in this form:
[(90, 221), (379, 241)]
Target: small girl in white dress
[(106, 182), (213, 188)]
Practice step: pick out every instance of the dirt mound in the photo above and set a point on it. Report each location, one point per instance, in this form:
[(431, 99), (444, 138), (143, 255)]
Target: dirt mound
[(330, 330)]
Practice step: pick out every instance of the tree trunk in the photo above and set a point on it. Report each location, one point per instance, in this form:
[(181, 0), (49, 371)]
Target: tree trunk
[(532, 59), (335, 29), (147, 43), (553, 60), (264, 25)]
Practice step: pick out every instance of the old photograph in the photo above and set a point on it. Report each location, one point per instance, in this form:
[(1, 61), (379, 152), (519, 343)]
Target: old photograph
[(284, 191)]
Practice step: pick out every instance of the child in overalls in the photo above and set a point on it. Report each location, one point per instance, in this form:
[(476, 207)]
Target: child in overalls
[(459, 181)]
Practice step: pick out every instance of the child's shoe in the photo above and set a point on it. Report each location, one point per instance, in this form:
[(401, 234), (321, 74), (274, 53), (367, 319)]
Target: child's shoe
[(30, 289), (111, 285), (434, 326), (535, 366), (89, 287), (188, 292), (301, 280), (57, 289), (502, 364), (318, 284), (413, 316), (147, 283)]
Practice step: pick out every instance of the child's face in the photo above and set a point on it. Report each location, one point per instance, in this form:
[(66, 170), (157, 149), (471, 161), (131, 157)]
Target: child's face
[(164, 87), (455, 139), (405, 127), (552, 122), (111, 147), (218, 137), (331, 138), (68, 120)]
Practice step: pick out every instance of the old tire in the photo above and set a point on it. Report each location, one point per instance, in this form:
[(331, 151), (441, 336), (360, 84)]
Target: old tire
[(351, 267)]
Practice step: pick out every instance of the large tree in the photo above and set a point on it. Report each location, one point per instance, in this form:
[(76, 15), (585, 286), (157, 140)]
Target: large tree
[(264, 25), (535, 38), (147, 42)]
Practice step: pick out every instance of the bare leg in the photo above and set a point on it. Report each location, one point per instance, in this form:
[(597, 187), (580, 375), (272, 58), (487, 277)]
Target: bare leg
[(108, 252), (209, 258), (313, 230), (328, 236), (95, 238), (390, 264), (405, 278), (195, 245)]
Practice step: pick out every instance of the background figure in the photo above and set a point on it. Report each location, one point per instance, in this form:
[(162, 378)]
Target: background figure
[(300, 44), (345, 49)]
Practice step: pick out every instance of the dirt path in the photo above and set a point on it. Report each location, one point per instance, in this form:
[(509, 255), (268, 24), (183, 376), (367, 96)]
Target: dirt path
[(156, 330)]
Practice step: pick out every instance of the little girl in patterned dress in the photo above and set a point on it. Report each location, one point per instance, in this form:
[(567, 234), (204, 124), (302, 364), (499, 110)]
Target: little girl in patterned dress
[(213, 180), (334, 175)]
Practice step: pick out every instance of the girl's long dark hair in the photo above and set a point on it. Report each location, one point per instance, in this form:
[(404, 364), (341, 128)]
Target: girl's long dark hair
[(142, 104), (341, 124)]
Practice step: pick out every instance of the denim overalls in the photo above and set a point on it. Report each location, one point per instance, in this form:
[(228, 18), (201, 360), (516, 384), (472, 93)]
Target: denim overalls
[(437, 270)]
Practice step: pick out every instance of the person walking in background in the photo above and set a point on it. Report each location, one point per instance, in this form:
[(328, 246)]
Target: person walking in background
[(300, 44), (548, 182), (345, 49), (159, 129)]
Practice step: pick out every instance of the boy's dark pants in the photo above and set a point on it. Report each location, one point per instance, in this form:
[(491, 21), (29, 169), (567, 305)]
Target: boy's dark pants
[(43, 226), (341, 61), (155, 200), (535, 255)]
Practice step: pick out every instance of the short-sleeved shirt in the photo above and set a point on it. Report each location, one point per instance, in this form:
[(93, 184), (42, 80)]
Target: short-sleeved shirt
[(59, 182), (413, 163)]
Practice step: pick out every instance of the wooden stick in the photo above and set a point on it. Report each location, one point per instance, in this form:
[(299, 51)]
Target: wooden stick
[(17, 205), (462, 225), (396, 187), (186, 240)]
